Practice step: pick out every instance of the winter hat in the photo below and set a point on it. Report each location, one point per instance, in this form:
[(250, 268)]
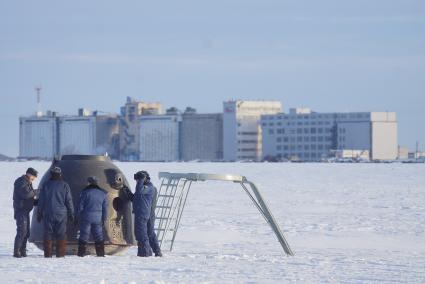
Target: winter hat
[(56, 170), (140, 175), (92, 180), (32, 171)]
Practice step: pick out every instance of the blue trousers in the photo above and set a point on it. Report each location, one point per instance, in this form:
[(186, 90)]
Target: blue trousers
[(95, 228), (22, 229), (142, 236), (153, 239), (55, 227)]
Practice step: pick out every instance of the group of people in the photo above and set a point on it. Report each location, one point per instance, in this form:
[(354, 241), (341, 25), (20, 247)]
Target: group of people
[(55, 208)]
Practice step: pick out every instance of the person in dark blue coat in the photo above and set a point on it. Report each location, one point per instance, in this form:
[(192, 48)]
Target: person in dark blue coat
[(143, 199), (23, 203), (153, 239), (92, 212), (55, 208)]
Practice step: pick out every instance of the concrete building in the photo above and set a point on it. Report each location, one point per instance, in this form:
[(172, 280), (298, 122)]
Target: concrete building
[(241, 130), (38, 136), (201, 136), (159, 138), (130, 126), (89, 134), (306, 135)]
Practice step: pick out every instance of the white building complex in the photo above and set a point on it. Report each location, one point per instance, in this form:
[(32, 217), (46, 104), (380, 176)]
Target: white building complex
[(241, 128), (159, 138), (310, 136)]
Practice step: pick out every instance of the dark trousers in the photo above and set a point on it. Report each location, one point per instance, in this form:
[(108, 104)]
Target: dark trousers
[(153, 239), (55, 227), (95, 228), (22, 230), (142, 236)]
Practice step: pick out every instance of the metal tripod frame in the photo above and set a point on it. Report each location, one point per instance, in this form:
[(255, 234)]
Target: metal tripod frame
[(172, 197)]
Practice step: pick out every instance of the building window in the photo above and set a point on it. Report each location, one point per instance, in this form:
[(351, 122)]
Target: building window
[(313, 130), (271, 131)]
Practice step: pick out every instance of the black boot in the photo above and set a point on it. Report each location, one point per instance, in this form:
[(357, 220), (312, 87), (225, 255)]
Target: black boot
[(81, 248), (158, 254), (23, 249), (143, 250), (17, 251), (100, 248)]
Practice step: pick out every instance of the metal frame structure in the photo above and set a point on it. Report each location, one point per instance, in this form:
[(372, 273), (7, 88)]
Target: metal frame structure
[(172, 197)]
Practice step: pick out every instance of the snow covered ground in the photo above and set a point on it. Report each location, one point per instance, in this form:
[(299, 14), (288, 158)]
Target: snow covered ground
[(350, 223)]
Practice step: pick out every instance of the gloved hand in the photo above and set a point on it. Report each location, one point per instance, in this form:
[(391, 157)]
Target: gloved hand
[(127, 193), (35, 202)]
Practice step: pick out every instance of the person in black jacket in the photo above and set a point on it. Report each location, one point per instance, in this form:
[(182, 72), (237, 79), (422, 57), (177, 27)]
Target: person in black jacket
[(55, 208), (23, 203), (92, 212)]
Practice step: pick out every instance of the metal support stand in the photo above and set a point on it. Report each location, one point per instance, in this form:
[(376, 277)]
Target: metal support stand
[(172, 197)]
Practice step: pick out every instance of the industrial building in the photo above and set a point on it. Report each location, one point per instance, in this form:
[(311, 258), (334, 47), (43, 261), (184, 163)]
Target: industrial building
[(38, 137), (159, 137), (242, 139), (88, 134), (129, 130), (310, 136), (48, 135), (246, 130), (201, 136)]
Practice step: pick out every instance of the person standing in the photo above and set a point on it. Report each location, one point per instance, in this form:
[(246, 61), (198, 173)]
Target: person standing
[(23, 203), (144, 198), (153, 239), (91, 213), (55, 208), (142, 206)]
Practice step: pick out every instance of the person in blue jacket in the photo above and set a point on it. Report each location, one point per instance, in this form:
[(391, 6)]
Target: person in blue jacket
[(55, 208), (143, 199), (23, 203), (92, 212)]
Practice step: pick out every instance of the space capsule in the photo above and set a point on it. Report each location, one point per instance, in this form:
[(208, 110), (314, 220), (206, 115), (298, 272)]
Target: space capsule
[(118, 230)]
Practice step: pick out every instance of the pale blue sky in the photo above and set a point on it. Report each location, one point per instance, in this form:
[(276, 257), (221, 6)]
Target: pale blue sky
[(330, 55)]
